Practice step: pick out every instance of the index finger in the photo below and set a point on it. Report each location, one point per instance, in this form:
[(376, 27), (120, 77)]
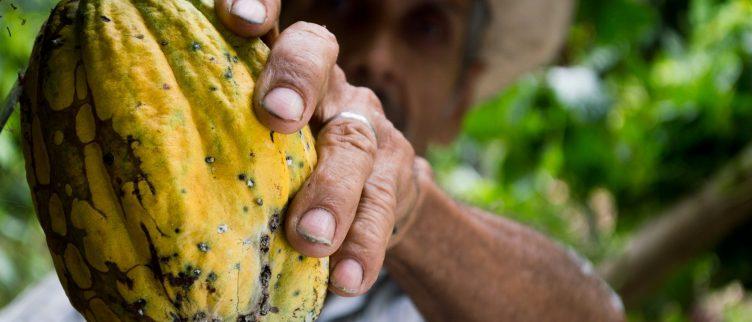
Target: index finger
[(296, 77), (248, 18)]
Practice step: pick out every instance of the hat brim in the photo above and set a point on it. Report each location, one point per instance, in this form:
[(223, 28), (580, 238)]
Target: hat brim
[(523, 35)]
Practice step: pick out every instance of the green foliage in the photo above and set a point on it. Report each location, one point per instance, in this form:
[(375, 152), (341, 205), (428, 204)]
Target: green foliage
[(23, 253), (655, 98)]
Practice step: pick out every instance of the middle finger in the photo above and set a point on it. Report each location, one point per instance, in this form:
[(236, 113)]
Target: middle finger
[(322, 212)]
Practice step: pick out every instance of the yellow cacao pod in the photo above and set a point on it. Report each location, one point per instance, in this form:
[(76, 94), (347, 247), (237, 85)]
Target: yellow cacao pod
[(160, 193)]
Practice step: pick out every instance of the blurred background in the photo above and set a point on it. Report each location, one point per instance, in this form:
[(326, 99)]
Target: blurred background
[(634, 148)]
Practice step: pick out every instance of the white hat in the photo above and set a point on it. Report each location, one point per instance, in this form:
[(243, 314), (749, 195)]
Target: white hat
[(522, 35)]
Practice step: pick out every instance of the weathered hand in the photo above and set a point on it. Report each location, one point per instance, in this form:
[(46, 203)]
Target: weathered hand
[(366, 180)]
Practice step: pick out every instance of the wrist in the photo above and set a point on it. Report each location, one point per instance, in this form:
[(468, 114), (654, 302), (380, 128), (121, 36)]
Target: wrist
[(422, 181)]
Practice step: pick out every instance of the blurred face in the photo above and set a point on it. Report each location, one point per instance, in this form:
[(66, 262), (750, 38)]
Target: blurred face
[(410, 52)]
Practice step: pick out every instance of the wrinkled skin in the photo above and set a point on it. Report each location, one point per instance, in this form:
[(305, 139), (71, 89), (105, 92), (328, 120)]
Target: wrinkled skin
[(456, 263)]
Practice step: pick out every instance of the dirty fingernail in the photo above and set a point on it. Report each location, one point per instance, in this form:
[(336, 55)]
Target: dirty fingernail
[(347, 276), (317, 226), (284, 103), (251, 11)]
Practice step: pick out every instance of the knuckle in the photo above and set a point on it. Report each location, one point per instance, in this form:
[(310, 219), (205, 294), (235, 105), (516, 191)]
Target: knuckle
[(350, 135), (316, 34), (332, 204), (380, 195), (338, 75), (331, 190), (368, 98), (368, 238), (295, 67), (326, 178), (393, 140), (371, 232)]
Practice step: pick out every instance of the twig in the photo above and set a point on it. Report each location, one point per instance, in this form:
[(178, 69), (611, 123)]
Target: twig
[(10, 103)]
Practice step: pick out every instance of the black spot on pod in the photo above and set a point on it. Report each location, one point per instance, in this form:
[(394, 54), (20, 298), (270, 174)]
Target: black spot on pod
[(260, 202), (211, 277), (185, 279), (247, 318), (199, 316), (140, 36), (105, 18), (165, 86), (242, 177), (203, 247), (288, 160), (271, 136), (266, 275), (164, 43), (264, 307), (274, 222), (195, 46), (210, 160), (264, 244), (228, 73), (301, 258)]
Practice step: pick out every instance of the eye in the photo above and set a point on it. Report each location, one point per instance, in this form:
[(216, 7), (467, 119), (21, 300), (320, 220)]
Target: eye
[(427, 27)]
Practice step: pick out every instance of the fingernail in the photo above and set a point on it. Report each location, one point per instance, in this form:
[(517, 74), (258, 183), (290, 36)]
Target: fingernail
[(317, 226), (252, 11), (284, 103), (347, 276)]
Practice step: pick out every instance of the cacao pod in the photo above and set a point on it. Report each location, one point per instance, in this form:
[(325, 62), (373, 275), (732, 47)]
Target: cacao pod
[(160, 193)]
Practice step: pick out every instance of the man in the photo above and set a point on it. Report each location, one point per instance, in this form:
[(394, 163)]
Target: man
[(371, 202)]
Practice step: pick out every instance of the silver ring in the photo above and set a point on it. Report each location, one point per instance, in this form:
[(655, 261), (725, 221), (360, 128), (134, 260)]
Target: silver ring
[(357, 117)]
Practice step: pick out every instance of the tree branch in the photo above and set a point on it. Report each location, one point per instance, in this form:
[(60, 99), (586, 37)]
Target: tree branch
[(694, 225)]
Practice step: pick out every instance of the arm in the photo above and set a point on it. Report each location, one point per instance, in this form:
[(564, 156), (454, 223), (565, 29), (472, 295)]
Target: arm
[(459, 263)]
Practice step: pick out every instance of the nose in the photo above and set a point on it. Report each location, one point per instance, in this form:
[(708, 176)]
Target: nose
[(374, 62)]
